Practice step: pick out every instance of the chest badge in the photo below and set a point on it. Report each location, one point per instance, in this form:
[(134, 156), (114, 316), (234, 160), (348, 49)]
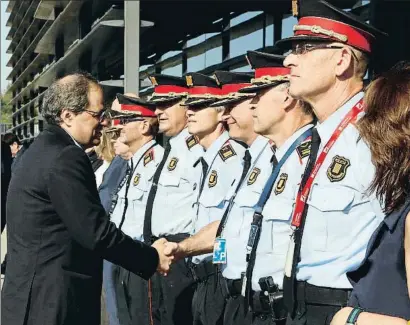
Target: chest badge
[(137, 179), (213, 179), (280, 185), (253, 176), (172, 164), (338, 168)]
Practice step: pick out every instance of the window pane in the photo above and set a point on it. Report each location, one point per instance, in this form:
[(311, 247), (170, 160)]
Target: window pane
[(213, 56), (287, 26), (196, 63), (242, 44), (173, 71), (244, 17), (169, 54)]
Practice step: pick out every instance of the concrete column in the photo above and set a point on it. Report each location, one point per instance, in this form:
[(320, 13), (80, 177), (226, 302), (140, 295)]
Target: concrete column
[(131, 46)]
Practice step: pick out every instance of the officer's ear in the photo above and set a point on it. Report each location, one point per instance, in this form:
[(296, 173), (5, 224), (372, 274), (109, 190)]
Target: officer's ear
[(145, 128)]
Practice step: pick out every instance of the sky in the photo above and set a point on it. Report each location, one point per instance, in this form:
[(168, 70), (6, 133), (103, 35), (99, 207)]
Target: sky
[(4, 45)]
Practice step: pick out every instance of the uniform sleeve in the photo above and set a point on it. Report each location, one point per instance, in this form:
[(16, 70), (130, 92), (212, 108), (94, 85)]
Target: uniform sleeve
[(73, 193)]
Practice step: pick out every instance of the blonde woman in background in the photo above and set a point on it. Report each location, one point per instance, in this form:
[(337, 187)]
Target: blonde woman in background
[(105, 152)]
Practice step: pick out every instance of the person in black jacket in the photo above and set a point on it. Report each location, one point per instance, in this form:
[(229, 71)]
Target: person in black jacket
[(6, 161), (60, 233)]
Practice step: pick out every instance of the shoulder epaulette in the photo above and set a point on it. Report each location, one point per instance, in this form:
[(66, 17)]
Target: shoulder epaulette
[(191, 141), (303, 149), (226, 151), (149, 156)]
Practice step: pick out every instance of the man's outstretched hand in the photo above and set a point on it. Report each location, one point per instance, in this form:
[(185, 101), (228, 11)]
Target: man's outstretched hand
[(175, 250), (166, 254)]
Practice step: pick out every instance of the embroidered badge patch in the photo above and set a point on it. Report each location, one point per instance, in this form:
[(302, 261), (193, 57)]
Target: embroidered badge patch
[(338, 168), (191, 141), (253, 175), (280, 185), (213, 178), (149, 156), (226, 152), (172, 164), (137, 179), (303, 149)]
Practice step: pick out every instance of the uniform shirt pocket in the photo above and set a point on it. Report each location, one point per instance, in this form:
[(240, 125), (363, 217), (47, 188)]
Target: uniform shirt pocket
[(170, 180), (138, 191), (247, 197), (329, 208), (276, 230)]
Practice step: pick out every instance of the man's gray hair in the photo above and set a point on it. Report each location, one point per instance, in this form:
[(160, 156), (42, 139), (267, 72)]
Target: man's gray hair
[(69, 92), (219, 108)]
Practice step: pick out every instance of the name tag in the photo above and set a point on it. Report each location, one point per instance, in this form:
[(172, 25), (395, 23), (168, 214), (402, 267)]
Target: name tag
[(219, 255)]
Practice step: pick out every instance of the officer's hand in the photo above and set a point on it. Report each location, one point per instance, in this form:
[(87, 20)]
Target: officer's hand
[(164, 260), (341, 316), (174, 249)]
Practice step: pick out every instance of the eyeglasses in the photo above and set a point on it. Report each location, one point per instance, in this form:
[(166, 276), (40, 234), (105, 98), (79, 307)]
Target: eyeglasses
[(101, 115), (303, 48)]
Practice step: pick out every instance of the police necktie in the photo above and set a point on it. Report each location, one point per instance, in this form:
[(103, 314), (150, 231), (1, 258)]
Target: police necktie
[(130, 169), (151, 196), (204, 172), (246, 165), (252, 256), (289, 283)]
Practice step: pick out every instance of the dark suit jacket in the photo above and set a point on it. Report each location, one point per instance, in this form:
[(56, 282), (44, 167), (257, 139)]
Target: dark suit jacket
[(59, 236)]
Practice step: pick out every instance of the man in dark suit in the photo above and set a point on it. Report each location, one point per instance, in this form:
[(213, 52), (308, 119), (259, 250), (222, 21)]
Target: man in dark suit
[(60, 233)]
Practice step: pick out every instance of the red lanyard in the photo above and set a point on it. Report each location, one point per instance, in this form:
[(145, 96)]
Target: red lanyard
[(303, 195)]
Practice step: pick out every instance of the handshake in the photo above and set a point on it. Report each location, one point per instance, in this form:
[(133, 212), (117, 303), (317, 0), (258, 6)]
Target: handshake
[(168, 253)]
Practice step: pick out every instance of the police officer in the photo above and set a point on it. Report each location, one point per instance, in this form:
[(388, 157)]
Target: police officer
[(139, 127), (228, 245), (220, 168), (288, 124), (334, 211), (169, 209)]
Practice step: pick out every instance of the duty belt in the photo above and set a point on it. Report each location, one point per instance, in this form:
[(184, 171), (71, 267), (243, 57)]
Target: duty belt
[(309, 294), (262, 304)]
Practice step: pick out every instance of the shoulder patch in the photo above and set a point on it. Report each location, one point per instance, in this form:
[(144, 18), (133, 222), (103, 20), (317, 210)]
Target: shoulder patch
[(191, 141), (253, 176), (303, 149), (213, 179), (280, 185), (172, 164), (226, 152), (137, 179), (338, 168), (149, 156)]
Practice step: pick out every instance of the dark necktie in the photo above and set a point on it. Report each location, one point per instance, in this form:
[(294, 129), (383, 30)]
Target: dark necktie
[(130, 169), (289, 283), (151, 196), (204, 172), (252, 256), (246, 165)]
